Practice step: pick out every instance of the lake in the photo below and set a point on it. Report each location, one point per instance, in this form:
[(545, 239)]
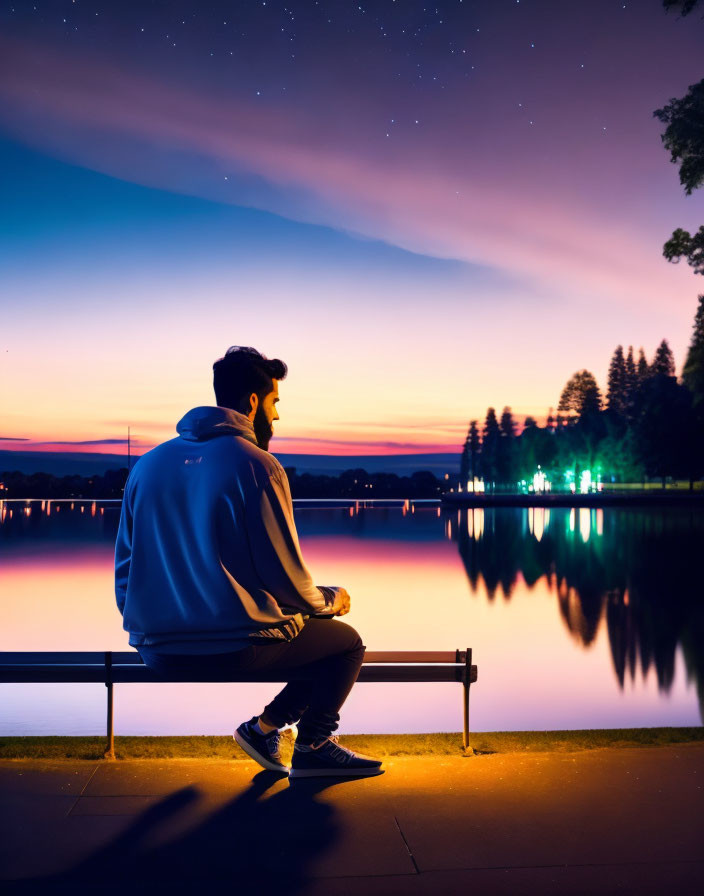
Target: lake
[(578, 618)]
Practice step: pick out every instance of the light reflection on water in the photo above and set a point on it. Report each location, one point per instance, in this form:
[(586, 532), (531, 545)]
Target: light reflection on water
[(578, 618)]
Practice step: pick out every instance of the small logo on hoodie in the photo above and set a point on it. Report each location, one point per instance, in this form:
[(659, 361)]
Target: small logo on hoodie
[(193, 460)]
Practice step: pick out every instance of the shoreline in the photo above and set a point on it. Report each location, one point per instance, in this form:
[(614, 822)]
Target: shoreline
[(599, 499), (43, 747)]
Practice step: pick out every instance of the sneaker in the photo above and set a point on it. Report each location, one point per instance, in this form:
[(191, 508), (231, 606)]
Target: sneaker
[(329, 758), (263, 748)]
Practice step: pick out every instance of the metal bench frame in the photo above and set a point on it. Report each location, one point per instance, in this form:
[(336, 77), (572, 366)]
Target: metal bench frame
[(113, 667)]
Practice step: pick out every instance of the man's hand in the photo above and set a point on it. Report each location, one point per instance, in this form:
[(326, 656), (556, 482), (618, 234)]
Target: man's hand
[(342, 603)]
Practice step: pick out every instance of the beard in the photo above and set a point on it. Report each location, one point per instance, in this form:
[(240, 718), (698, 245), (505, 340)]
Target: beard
[(263, 430)]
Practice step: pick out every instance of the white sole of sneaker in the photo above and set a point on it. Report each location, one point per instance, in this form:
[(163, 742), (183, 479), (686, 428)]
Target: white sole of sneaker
[(265, 763), (335, 772)]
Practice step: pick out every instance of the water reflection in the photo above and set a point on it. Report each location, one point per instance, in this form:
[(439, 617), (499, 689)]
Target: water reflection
[(636, 570), (585, 603)]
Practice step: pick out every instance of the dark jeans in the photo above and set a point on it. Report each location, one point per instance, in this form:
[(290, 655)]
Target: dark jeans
[(324, 660)]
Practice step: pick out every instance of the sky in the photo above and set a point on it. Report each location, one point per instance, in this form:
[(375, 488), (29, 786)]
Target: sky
[(423, 208)]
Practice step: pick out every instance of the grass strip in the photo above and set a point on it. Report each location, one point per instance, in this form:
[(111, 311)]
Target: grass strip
[(381, 745)]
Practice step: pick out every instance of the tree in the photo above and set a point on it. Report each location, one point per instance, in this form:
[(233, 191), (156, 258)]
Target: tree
[(491, 435), (470, 453), (505, 458), (507, 425), (581, 395), (631, 371), (684, 136), (664, 361), (693, 371), (684, 139), (616, 392), (683, 245), (631, 381), (664, 434), (643, 368)]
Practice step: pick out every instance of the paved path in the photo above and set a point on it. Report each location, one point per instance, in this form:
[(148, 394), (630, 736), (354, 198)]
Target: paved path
[(602, 821)]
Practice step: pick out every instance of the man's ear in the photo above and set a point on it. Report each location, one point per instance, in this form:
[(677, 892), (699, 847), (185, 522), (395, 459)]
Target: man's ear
[(253, 405)]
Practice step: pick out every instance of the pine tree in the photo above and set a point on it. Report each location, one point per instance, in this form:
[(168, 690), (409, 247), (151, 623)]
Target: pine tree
[(491, 426), (507, 425), (643, 368), (507, 446), (470, 452), (581, 394), (465, 460), (475, 443), (631, 372), (664, 360), (491, 436), (631, 383), (693, 371), (616, 388)]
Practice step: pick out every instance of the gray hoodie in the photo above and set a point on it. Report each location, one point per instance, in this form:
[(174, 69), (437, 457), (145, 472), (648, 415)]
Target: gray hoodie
[(207, 558)]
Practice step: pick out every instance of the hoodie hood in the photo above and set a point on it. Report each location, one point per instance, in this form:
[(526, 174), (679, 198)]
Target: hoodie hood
[(201, 424)]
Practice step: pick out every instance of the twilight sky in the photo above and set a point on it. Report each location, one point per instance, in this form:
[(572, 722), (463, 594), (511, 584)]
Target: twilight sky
[(424, 209)]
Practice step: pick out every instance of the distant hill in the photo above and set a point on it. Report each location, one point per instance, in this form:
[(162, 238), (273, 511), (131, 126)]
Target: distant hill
[(65, 463)]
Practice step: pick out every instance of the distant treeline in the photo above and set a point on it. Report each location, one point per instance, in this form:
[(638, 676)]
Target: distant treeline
[(350, 484), (649, 425), (15, 484), (360, 484)]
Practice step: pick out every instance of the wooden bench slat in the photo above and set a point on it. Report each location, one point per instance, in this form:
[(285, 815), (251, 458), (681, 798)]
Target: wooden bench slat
[(48, 657), (414, 656), (131, 657), (125, 674)]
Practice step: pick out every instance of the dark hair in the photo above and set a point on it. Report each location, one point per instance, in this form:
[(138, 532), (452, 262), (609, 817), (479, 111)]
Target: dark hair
[(241, 371)]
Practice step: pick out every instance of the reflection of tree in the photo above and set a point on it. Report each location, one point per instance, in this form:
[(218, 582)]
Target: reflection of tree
[(637, 569)]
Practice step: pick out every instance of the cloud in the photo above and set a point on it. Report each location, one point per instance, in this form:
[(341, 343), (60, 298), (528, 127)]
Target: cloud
[(112, 119), (88, 442), (366, 446), (152, 425), (14, 439), (82, 444)]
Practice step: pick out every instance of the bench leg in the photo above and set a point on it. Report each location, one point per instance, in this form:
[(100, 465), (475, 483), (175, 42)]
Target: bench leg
[(110, 746), (465, 706), (465, 702)]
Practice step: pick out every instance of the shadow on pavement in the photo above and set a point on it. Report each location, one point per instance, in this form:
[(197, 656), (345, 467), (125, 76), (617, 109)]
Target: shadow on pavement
[(252, 842)]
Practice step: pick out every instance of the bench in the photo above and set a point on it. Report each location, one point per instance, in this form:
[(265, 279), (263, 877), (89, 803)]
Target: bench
[(111, 667)]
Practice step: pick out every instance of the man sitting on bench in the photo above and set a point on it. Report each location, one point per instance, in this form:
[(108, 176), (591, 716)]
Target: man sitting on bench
[(209, 575)]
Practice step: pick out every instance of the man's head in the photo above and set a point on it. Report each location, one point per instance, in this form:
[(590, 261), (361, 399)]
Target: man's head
[(247, 381)]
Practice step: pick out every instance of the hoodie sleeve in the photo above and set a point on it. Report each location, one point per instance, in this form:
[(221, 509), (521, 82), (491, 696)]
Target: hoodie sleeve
[(277, 553), (123, 550)]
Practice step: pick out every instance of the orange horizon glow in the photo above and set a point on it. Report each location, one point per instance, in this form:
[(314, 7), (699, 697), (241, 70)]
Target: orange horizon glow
[(398, 443)]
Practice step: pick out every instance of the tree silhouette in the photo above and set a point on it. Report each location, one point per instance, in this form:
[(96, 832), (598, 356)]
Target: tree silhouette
[(662, 426), (470, 453), (682, 244), (693, 371), (617, 392), (684, 139), (505, 459), (684, 136), (580, 395), (642, 368), (664, 361), (491, 435)]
